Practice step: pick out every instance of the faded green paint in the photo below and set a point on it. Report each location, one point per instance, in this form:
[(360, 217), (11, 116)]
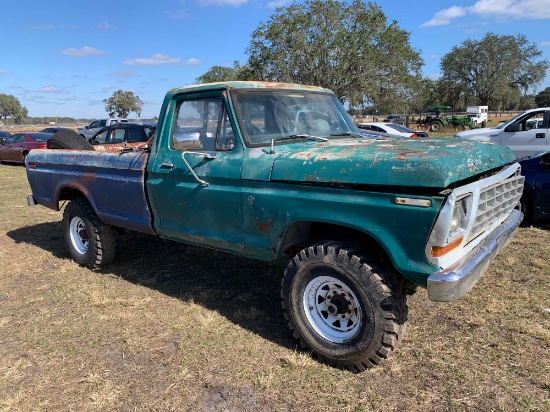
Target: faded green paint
[(255, 194), (396, 162), (401, 230)]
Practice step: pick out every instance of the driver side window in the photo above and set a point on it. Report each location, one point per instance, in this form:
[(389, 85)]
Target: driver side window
[(201, 124)]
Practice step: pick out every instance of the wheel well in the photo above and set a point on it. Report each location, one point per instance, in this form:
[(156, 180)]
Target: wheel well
[(302, 234), (69, 193)]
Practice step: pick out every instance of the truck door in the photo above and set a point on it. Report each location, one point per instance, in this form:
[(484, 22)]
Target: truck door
[(528, 134), (194, 180)]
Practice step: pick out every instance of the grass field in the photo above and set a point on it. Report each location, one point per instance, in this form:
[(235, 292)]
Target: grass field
[(170, 327)]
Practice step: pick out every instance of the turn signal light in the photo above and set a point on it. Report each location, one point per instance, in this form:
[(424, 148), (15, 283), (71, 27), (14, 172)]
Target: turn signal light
[(438, 251)]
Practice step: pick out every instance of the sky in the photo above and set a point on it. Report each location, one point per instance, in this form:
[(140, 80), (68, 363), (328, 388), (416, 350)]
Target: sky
[(63, 58)]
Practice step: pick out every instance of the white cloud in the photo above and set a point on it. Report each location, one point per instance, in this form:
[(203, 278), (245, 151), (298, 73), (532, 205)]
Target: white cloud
[(43, 27), (124, 74), (51, 89), (84, 51), (2, 71), (278, 3), (105, 25), (160, 59), (514, 9), (494, 9), (541, 44), (234, 3), (444, 17)]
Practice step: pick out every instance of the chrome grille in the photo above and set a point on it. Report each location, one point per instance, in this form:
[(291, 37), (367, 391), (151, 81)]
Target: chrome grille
[(495, 203)]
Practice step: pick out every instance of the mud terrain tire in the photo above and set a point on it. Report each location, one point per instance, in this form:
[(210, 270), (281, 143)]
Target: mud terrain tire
[(91, 243), (344, 305)]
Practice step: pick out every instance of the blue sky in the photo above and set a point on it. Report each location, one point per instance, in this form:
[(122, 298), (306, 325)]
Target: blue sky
[(62, 58)]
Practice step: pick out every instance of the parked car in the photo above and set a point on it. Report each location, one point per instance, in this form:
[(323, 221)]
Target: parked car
[(89, 130), (4, 135), (391, 128), (395, 118), (535, 200), (15, 148), (123, 135), (526, 134), (53, 129)]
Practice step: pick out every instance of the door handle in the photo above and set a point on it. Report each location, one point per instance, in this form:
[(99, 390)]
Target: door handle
[(540, 135), (167, 165)]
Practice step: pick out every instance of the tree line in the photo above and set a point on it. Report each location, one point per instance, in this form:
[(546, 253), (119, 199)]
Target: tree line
[(369, 63)]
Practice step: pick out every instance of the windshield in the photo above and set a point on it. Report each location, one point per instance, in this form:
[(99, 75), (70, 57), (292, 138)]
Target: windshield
[(399, 128), (280, 115), (506, 123)]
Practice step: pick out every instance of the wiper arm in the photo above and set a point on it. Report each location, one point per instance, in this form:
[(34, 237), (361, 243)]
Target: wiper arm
[(301, 136), (352, 134)]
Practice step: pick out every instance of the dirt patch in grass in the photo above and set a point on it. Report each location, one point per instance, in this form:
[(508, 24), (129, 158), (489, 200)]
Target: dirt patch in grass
[(171, 327)]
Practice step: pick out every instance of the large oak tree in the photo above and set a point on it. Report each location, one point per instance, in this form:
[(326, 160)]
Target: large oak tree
[(11, 107), (495, 70), (348, 48), (122, 103)]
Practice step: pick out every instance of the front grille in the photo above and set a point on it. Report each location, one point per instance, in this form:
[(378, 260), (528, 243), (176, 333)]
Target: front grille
[(495, 203)]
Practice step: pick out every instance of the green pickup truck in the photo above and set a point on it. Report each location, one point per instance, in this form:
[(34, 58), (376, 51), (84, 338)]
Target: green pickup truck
[(266, 170)]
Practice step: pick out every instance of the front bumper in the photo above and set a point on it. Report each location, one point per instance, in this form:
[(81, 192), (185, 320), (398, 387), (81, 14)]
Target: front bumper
[(454, 282)]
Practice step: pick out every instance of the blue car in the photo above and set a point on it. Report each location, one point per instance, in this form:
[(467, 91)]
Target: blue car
[(535, 201)]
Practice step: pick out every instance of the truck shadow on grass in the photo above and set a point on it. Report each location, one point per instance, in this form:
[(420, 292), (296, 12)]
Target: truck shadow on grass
[(245, 291)]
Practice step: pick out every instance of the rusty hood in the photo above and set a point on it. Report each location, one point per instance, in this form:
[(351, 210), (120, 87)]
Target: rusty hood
[(400, 162)]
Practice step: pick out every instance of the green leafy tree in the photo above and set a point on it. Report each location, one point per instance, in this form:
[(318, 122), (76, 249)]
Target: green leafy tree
[(543, 98), (348, 48), (494, 69), (221, 74), (11, 107), (122, 103), (217, 74)]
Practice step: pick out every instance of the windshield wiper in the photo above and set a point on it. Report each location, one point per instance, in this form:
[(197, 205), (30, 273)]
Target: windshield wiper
[(352, 134), (301, 136)]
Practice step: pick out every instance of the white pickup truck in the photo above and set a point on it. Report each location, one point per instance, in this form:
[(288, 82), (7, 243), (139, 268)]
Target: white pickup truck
[(88, 131), (526, 134)]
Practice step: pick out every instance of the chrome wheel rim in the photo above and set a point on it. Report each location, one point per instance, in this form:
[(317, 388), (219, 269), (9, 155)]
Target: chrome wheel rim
[(332, 309), (79, 235)]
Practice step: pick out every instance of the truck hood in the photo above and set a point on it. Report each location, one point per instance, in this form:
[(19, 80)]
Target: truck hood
[(397, 162)]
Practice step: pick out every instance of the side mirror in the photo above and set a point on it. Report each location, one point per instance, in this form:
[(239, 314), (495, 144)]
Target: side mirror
[(187, 141), (514, 127), (2, 141), (227, 146)]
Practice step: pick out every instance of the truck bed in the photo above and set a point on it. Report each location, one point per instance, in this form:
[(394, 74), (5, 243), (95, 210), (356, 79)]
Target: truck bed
[(113, 183)]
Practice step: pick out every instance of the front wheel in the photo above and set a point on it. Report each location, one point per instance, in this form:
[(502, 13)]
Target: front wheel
[(346, 308), (91, 243)]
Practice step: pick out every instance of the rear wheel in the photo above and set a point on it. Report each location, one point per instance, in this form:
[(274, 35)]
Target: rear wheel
[(436, 127), (347, 309), (68, 139), (91, 243)]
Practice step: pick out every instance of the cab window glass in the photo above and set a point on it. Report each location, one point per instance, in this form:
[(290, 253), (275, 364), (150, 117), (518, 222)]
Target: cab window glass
[(199, 125), (226, 137)]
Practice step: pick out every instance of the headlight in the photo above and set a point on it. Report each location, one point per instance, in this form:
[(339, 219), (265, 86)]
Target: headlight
[(459, 218)]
